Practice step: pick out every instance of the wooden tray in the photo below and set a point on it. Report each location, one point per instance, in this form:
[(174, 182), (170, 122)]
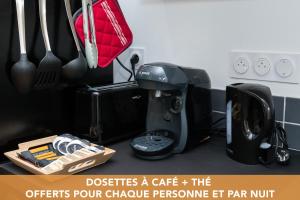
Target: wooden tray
[(79, 161)]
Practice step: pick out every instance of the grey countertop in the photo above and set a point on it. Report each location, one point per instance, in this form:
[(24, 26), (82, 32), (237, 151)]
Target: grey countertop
[(208, 158)]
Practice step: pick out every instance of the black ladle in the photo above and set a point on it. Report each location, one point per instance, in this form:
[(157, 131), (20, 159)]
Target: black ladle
[(75, 69), (49, 70), (22, 72)]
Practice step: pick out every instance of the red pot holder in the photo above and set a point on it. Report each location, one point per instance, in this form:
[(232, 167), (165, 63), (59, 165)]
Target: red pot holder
[(113, 34)]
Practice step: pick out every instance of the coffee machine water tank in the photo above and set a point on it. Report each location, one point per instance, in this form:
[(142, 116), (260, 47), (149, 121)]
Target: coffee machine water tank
[(250, 121)]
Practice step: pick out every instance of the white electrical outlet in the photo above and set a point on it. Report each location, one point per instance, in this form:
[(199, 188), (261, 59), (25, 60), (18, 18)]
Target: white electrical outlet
[(141, 54), (285, 67), (121, 75), (241, 65), (265, 66), (262, 66)]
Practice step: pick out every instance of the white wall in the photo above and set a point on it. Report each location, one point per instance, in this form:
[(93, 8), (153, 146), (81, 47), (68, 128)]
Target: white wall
[(201, 33)]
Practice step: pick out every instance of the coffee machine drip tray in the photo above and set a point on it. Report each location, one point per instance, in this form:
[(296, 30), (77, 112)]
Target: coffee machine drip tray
[(154, 145)]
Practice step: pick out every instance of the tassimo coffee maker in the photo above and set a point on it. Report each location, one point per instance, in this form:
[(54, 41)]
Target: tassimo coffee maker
[(179, 110)]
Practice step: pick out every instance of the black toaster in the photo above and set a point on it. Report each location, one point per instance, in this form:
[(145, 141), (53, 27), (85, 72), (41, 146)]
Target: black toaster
[(110, 113)]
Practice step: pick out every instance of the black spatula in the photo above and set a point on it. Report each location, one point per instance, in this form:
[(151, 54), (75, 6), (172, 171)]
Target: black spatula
[(50, 68)]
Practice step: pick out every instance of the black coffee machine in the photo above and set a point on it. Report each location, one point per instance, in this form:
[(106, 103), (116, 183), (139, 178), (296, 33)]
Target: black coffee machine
[(179, 110), (250, 123)]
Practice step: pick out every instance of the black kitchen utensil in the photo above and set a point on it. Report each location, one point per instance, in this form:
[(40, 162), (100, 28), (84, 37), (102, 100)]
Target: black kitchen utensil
[(75, 69), (22, 72), (50, 68)]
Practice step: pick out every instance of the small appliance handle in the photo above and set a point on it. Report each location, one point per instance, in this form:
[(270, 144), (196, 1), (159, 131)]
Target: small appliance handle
[(95, 129), (266, 111)]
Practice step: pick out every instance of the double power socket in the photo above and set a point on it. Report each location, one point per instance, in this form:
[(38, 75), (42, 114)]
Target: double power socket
[(265, 66)]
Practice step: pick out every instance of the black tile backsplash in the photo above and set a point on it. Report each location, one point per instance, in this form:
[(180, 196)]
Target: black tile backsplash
[(217, 118), (287, 111), (292, 110), (293, 135), (218, 100), (278, 104)]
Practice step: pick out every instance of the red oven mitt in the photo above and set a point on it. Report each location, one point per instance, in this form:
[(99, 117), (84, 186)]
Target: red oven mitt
[(113, 34)]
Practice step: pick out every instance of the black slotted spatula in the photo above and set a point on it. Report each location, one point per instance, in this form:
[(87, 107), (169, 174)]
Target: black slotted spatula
[(49, 70)]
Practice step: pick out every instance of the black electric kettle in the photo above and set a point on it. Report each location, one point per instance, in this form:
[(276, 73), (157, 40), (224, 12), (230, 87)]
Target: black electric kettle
[(250, 123)]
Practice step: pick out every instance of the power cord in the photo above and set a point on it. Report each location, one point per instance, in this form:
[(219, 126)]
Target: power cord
[(218, 121), (278, 147), (218, 131), (126, 69), (282, 152), (135, 59)]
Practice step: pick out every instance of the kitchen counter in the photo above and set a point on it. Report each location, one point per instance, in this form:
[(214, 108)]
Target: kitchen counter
[(208, 158)]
